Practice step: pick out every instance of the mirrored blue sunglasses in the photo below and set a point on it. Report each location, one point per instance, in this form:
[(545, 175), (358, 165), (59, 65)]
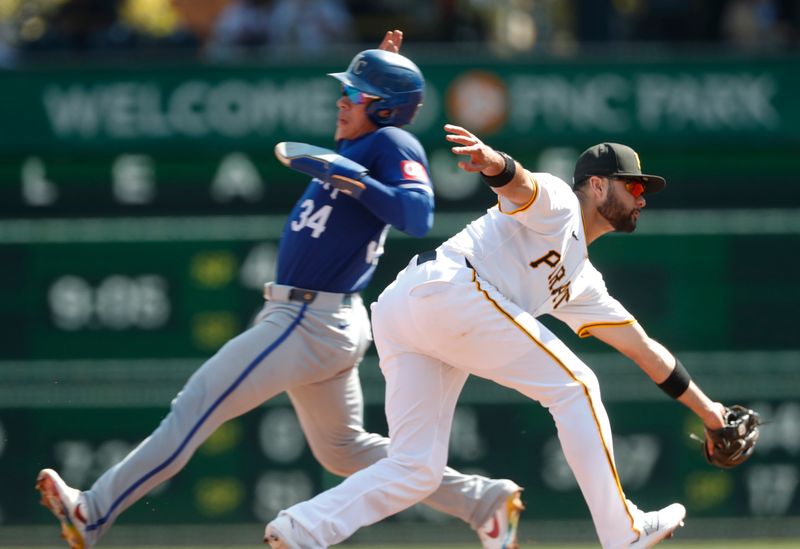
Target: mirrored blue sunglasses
[(356, 96)]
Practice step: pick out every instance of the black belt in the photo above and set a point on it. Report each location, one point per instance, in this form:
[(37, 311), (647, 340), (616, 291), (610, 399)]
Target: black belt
[(426, 256), (430, 255), (308, 296)]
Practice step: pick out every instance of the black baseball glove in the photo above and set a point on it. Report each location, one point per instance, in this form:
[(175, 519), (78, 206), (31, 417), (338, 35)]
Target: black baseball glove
[(734, 443)]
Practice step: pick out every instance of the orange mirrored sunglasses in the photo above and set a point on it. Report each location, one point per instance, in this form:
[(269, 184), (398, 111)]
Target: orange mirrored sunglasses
[(635, 187)]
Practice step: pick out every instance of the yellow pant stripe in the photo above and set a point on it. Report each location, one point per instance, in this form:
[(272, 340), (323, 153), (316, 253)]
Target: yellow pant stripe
[(564, 367)]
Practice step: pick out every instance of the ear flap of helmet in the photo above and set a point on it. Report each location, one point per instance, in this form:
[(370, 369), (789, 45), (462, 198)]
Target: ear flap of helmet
[(380, 114), (396, 111)]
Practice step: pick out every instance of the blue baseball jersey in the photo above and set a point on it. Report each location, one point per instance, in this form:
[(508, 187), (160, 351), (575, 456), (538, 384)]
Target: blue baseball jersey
[(332, 242)]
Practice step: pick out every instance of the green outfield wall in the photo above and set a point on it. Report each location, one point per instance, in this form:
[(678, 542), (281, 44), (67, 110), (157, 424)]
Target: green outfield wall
[(140, 211)]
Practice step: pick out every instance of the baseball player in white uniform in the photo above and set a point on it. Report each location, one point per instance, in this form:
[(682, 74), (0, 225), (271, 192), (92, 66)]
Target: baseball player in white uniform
[(471, 307)]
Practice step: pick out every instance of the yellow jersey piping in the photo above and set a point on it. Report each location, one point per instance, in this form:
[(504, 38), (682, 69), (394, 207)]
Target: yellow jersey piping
[(585, 233), (583, 331), (527, 205)]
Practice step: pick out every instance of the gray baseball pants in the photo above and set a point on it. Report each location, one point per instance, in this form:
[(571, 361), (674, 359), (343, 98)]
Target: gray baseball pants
[(309, 349)]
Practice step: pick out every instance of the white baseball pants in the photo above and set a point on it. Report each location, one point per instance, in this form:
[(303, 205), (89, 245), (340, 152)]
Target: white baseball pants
[(434, 325)]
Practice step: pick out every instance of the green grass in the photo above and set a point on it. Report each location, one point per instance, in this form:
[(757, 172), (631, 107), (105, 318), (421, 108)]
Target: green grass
[(720, 544), (670, 544)]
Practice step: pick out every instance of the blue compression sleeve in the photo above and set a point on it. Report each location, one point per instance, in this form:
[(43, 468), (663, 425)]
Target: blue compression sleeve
[(410, 211)]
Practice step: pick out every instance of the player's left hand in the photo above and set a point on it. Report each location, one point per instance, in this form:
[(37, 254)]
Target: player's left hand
[(734, 443), (326, 165), (715, 417), (482, 158), (392, 41)]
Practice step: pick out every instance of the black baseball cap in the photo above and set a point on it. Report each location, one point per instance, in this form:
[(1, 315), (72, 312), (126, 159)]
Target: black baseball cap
[(614, 159)]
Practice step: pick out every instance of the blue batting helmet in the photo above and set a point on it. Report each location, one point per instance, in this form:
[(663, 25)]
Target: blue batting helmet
[(395, 79)]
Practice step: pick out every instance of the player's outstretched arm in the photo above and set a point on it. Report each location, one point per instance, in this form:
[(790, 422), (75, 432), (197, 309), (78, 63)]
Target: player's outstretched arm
[(480, 157), (731, 432), (660, 365), (409, 210)]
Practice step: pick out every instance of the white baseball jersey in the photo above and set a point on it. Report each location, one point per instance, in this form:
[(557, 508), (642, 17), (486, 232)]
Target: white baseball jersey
[(536, 256), (469, 309)]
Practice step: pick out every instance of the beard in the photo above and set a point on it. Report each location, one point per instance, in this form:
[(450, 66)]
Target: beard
[(614, 212)]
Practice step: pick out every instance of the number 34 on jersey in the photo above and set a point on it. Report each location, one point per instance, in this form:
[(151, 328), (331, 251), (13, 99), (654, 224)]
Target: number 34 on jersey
[(312, 219)]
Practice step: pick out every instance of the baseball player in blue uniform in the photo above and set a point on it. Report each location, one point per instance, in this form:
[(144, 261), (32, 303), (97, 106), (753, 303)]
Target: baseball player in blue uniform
[(313, 330)]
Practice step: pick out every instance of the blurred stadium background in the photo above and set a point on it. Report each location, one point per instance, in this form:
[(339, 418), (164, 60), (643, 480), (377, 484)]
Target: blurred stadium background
[(140, 207)]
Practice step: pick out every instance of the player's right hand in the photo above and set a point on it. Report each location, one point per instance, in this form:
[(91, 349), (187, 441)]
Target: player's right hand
[(482, 158)]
